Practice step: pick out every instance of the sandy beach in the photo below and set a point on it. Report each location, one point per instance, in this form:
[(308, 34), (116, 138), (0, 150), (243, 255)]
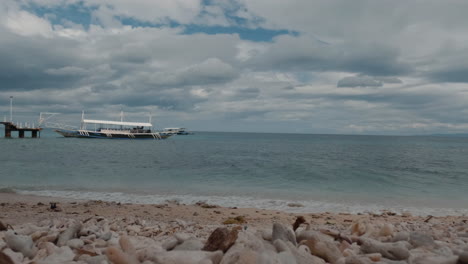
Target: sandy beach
[(101, 231)]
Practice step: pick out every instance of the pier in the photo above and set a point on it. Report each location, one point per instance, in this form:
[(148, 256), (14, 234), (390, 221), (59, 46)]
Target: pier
[(10, 126)]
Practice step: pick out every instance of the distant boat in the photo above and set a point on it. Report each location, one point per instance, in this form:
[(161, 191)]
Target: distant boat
[(176, 131), (113, 130)]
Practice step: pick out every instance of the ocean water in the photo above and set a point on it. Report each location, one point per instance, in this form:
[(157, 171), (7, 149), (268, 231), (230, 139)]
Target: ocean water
[(291, 172)]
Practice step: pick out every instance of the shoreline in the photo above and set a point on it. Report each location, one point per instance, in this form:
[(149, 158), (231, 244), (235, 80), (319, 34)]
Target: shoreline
[(22, 208), (350, 206), (117, 233)]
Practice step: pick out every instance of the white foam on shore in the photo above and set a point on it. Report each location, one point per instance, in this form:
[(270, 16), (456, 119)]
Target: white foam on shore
[(247, 202)]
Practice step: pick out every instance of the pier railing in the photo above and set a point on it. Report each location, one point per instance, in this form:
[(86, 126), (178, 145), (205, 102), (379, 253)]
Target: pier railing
[(10, 127)]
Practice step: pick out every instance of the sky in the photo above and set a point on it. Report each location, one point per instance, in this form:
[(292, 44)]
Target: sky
[(389, 67)]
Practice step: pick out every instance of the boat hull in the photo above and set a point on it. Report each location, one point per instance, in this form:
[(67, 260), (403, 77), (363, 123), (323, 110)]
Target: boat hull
[(92, 134)]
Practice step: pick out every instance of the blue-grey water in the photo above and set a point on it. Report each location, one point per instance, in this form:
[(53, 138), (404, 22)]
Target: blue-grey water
[(424, 175)]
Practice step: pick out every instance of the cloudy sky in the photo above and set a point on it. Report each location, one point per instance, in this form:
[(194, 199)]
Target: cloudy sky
[(305, 66)]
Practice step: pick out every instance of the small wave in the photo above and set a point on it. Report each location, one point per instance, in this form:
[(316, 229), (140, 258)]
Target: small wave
[(7, 190), (309, 206)]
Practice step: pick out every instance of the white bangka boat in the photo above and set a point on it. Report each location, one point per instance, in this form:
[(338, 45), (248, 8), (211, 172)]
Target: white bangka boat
[(113, 130), (176, 131)]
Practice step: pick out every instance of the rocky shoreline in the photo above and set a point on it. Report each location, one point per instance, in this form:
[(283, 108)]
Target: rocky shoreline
[(37, 230)]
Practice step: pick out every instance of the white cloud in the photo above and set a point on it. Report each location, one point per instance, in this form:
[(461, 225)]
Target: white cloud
[(27, 24), (181, 11)]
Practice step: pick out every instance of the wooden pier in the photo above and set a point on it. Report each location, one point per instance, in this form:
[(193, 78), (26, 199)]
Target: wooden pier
[(10, 126)]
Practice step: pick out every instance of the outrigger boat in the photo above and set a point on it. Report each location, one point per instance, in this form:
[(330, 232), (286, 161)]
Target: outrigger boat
[(113, 130), (176, 131)]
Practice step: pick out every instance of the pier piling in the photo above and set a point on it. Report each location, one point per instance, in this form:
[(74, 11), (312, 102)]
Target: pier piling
[(9, 127)]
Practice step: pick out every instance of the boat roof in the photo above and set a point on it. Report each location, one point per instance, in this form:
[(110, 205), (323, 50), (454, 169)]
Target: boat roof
[(117, 123), (174, 128)]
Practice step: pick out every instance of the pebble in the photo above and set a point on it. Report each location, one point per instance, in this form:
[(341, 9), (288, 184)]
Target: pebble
[(137, 241), (75, 243), (284, 233), (20, 243), (394, 251)]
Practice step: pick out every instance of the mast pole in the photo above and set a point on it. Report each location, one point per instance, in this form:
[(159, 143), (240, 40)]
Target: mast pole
[(11, 108), (82, 119), (121, 118)]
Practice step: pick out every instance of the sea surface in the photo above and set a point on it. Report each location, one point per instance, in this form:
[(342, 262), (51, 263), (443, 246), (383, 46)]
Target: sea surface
[(292, 172)]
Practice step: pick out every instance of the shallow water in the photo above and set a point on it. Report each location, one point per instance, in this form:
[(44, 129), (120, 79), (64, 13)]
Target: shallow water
[(426, 175)]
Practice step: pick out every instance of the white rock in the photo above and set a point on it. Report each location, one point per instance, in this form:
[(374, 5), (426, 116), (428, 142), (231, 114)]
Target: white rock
[(326, 250), (253, 242), (41, 254), (187, 257), (127, 245), (75, 243), (139, 242), (401, 236), (100, 243), (181, 237), (68, 234), (51, 237), (60, 256), (386, 230), (106, 236), (394, 251), (16, 257), (301, 255), (433, 259), (313, 235), (89, 229), (2, 244), (170, 243), (286, 257), (102, 259), (38, 235), (418, 239), (149, 253), (361, 227), (20, 243), (28, 229), (135, 229), (238, 254), (117, 256), (267, 234), (284, 233), (190, 244)]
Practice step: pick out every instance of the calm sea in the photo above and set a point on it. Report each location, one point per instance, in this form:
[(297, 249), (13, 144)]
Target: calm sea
[(424, 175)]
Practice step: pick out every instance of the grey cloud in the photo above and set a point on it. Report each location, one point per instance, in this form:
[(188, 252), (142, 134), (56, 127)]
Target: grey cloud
[(212, 70), (423, 40), (245, 94), (289, 53), (243, 115), (366, 81), (251, 90), (209, 72), (25, 58), (68, 70), (450, 74), (359, 81), (448, 65), (388, 79)]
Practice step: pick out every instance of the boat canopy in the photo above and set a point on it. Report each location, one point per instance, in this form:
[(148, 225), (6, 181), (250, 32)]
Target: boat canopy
[(116, 123)]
